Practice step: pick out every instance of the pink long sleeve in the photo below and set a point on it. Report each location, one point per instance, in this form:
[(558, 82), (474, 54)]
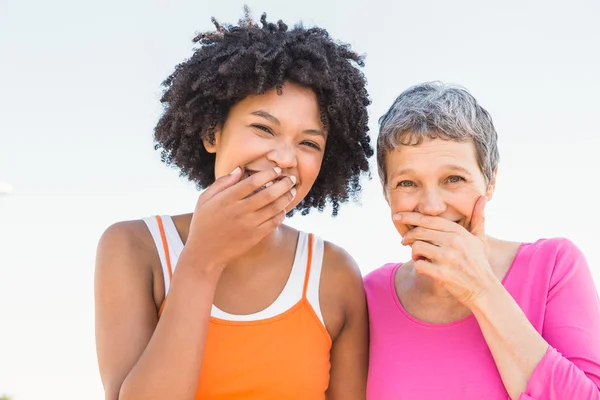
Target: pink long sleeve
[(551, 282), (571, 367)]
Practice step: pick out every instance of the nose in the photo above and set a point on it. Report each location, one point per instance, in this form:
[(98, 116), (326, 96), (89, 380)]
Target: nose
[(283, 154), (431, 202)]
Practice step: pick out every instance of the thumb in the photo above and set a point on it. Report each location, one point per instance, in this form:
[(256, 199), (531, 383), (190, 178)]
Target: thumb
[(478, 218), (220, 185)]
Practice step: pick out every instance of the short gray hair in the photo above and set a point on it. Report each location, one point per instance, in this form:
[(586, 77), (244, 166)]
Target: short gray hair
[(436, 110)]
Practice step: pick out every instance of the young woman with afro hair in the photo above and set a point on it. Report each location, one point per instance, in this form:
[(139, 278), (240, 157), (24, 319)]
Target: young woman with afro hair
[(228, 302)]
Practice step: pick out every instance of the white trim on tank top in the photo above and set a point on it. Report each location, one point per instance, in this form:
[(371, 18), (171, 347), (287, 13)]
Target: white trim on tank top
[(289, 296)]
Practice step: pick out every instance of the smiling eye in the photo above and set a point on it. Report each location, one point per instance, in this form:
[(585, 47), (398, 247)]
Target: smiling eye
[(312, 144), (406, 183), (262, 128), (455, 179)]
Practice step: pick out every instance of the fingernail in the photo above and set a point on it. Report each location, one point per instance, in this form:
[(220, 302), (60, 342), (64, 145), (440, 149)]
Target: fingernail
[(277, 170), (235, 171), (397, 217), (293, 191), (293, 179), (268, 184)]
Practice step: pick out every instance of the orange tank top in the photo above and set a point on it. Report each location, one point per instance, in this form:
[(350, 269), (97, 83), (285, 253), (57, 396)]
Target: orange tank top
[(286, 356)]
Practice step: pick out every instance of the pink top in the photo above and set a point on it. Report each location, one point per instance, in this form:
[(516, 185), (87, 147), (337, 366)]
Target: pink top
[(551, 282)]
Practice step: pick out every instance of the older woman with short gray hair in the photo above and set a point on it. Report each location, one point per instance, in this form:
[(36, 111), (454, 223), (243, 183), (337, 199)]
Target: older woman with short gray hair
[(470, 316)]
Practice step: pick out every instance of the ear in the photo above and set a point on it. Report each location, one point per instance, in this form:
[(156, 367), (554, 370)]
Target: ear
[(212, 147), (489, 192)]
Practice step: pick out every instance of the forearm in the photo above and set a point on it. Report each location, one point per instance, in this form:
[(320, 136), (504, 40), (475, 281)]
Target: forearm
[(516, 346), (170, 365)]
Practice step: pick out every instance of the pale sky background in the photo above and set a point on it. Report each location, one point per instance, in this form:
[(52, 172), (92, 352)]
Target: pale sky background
[(79, 89)]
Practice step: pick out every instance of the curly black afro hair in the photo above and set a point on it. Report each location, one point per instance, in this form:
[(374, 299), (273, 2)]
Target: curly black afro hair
[(234, 62)]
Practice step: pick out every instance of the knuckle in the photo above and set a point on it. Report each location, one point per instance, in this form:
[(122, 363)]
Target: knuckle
[(454, 241), (418, 232), (450, 256), (274, 193), (276, 221), (281, 218), (420, 266), (269, 176), (426, 221), (442, 274), (275, 207), (255, 181), (417, 246)]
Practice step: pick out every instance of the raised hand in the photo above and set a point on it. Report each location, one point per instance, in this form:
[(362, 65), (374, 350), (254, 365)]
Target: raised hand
[(449, 253), (232, 216)]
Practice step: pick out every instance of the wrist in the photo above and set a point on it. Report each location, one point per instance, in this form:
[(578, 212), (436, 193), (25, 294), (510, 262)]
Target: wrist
[(195, 264), (489, 293)]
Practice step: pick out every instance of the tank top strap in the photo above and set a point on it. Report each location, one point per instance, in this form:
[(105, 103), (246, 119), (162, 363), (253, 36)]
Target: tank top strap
[(308, 265), (166, 253), (165, 244)]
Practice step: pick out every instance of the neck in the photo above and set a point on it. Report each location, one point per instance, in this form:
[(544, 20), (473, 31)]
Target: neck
[(257, 254), (429, 286)]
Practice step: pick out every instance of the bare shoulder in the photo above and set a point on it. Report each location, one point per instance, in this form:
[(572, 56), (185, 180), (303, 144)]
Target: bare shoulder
[(341, 292), (126, 250), (338, 261), (125, 299), (128, 238)]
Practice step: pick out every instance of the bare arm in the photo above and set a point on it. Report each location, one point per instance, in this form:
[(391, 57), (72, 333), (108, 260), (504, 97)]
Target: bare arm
[(516, 346), (140, 357), (350, 349), (565, 362)]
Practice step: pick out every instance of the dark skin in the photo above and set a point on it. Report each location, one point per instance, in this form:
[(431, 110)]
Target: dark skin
[(344, 313), (142, 357)]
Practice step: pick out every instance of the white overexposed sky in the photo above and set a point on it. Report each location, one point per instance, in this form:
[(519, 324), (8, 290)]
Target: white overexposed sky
[(79, 89)]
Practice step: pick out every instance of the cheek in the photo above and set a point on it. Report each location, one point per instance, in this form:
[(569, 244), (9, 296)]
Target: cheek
[(309, 166), (464, 201), (402, 202), (224, 164), (308, 171), (237, 150)]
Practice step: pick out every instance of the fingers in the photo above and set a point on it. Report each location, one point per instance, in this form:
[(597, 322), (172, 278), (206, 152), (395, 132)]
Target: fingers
[(437, 238), (426, 221), (272, 223), (277, 205), (423, 250), (275, 198), (220, 185), (430, 260), (258, 180), (426, 267), (477, 227)]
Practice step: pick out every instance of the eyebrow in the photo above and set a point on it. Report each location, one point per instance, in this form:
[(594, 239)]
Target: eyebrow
[(458, 168), (451, 167), (274, 120)]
